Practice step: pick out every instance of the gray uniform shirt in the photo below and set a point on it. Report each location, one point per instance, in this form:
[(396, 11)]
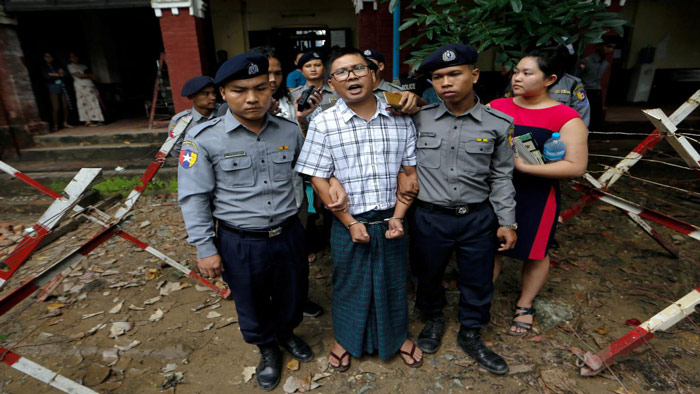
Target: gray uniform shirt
[(466, 159), (231, 174), (197, 119), (385, 86), (591, 69)]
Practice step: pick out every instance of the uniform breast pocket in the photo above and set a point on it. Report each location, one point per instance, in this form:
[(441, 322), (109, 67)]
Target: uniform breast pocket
[(428, 152), (282, 166), (238, 171), (478, 157)]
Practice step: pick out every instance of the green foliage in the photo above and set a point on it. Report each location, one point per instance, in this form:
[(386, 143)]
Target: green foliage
[(509, 26), (123, 185)]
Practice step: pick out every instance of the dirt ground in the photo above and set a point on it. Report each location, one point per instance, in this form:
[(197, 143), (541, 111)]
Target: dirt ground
[(607, 272)]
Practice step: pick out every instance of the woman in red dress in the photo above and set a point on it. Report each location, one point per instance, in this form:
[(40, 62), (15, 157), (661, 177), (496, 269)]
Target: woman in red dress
[(537, 185)]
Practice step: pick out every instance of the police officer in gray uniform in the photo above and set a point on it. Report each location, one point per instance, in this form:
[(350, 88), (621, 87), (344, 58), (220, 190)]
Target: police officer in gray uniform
[(313, 69), (243, 163), (202, 92), (465, 203)]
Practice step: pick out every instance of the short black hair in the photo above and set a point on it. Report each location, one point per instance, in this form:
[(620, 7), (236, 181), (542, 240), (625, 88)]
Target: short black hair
[(269, 52), (552, 61), (340, 52)]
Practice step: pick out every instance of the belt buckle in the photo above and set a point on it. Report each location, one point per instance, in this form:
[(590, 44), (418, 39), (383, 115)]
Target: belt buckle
[(462, 210), (274, 232)]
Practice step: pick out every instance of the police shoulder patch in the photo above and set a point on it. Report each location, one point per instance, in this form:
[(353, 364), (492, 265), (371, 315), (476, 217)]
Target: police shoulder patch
[(188, 154), (580, 93)]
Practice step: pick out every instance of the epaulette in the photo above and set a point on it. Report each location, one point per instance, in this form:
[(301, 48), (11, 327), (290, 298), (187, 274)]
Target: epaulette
[(575, 78), (193, 132), (181, 114), (397, 87), (498, 114), (282, 118)]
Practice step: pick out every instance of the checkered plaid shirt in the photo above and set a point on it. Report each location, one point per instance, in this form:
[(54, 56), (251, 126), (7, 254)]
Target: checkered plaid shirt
[(365, 156)]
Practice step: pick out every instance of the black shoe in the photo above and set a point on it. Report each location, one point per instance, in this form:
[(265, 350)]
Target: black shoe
[(430, 338), (470, 341), (312, 309), (298, 348), (269, 370)]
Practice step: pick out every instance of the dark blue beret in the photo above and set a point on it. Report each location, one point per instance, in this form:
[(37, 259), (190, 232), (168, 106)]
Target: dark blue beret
[(448, 56), (243, 66), (194, 85), (308, 56), (374, 54)]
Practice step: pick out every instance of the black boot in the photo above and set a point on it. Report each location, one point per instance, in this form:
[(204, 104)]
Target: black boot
[(430, 337), (296, 346), (269, 370), (312, 309), (470, 341)]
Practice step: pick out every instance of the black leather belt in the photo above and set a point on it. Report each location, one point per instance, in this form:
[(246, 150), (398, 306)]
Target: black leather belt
[(261, 233), (454, 211)]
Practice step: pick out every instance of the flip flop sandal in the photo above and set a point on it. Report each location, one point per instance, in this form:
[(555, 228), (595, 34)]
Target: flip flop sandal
[(340, 367), (520, 324), (415, 363)]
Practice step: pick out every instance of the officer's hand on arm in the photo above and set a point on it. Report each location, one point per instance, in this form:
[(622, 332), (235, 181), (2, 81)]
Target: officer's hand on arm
[(210, 266), (407, 186), (507, 238), (395, 229), (338, 196)]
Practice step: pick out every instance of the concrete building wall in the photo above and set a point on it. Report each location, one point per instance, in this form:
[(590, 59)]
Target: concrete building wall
[(670, 27), (232, 19)]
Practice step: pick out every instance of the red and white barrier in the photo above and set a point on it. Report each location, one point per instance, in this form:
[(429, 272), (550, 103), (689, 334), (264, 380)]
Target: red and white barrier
[(593, 363), (611, 175), (53, 215), (43, 374)]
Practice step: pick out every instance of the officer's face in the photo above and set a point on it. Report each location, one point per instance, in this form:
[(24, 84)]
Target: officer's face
[(313, 70), (248, 99), (455, 84), (528, 79), (205, 98), (351, 87), (275, 73)]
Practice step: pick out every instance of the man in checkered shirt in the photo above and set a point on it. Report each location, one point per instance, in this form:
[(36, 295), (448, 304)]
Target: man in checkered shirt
[(364, 147)]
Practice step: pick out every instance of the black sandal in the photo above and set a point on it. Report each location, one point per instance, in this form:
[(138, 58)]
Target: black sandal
[(340, 367), (521, 324), (415, 363)]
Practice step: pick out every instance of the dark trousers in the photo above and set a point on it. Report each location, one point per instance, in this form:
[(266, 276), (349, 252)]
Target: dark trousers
[(269, 281), (472, 237), (58, 103)]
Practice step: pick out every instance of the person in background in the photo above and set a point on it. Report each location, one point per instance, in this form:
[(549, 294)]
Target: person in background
[(296, 78), (53, 76), (591, 69), (86, 93), (537, 185), (201, 91), (410, 102)]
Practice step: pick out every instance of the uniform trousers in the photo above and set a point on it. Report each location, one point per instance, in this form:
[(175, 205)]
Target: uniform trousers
[(472, 236), (268, 278)]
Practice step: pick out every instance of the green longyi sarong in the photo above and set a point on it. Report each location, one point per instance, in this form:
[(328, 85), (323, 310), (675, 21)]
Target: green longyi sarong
[(370, 307)]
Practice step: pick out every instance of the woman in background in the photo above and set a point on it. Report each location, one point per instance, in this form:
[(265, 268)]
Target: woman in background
[(86, 94)]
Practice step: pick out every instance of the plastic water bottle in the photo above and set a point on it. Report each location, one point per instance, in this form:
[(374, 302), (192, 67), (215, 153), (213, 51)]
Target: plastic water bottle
[(554, 149)]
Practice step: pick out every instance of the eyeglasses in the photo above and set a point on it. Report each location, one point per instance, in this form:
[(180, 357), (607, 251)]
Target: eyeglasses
[(343, 75)]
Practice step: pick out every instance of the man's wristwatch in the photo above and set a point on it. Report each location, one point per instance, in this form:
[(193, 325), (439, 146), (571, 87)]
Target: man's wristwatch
[(513, 226)]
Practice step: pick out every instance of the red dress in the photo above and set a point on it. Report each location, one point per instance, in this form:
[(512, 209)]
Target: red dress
[(537, 199)]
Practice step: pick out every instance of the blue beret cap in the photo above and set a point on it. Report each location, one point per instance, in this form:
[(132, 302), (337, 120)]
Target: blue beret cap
[(374, 54), (194, 85), (243, 66), (308, 56), (448, 56)]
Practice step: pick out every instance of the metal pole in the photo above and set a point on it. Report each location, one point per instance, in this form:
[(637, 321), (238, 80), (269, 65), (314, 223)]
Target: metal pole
[(396, 54)]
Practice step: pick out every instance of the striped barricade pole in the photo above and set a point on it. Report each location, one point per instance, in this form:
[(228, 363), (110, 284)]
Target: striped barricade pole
[(593, 363), (53, 379), (50, 219)]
